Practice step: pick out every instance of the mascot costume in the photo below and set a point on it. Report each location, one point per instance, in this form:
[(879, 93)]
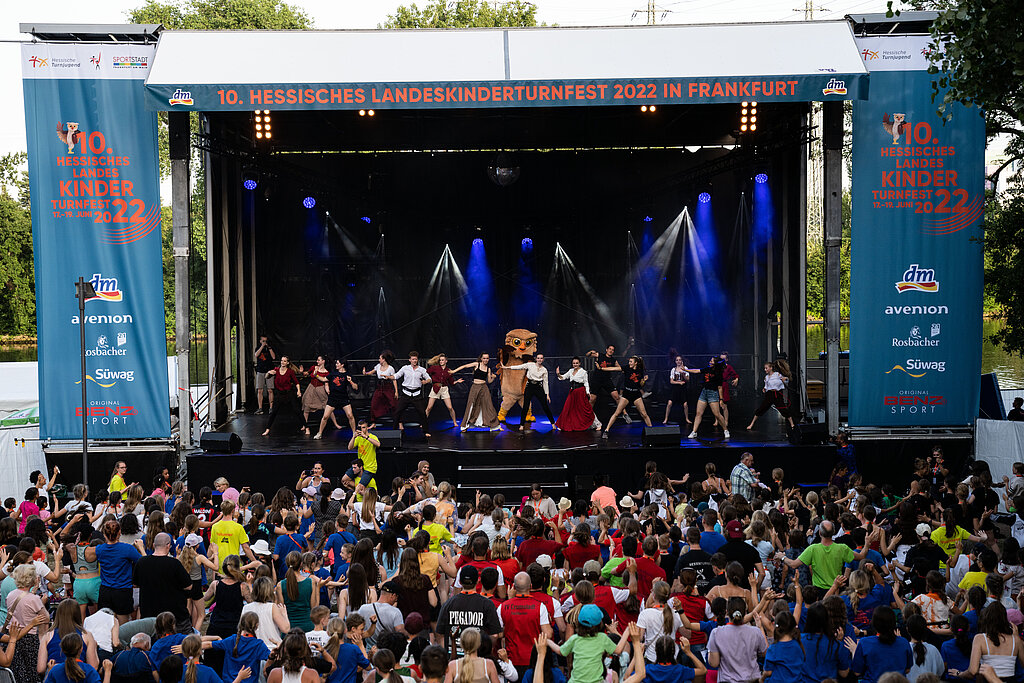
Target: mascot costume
[(518, 343)]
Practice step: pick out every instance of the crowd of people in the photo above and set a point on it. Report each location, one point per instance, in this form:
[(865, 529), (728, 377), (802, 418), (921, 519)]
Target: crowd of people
[(734, 579)]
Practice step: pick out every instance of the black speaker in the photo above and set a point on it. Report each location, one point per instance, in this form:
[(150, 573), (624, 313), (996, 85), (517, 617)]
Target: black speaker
[(809, 434), (662, 435), (179, 132), (991, 405), (389, 438), (220, 442)]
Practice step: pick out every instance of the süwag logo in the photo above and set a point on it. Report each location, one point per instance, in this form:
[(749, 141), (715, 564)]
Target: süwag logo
[(106, 378), (834, 87), (915, 338), (917, 368), (106, 288), (918, 279), (183, 97), (913, 403)]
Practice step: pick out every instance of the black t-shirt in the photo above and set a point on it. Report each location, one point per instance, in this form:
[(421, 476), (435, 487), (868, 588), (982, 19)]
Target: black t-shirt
[(1016, 415), (984, 499), (337, 386), (632, 379), (205, 513), (264, 363), (162, 582), (700, 562), (465, 610), (739, 551), (712, 375), (603, 378)]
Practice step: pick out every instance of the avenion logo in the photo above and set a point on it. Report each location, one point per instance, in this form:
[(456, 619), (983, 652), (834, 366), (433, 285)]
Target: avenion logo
[(918, 279), (106, 288)]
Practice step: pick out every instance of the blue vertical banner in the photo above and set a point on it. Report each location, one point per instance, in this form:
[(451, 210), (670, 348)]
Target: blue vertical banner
[(94, 182), (917, 269)]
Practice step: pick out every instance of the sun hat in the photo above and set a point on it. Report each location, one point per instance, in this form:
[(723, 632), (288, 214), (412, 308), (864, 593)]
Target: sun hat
[(311, 490), (338, 494), (564, 504), (627, 502), (260, 547)]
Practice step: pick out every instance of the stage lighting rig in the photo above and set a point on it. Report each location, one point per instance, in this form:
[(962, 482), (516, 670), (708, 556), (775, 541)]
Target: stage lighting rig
[(648, 109), (261, 124), (748, 117)]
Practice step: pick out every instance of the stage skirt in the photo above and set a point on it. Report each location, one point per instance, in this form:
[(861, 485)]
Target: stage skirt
[(383, 402), (480, 408), (314, 398), (577, 414)]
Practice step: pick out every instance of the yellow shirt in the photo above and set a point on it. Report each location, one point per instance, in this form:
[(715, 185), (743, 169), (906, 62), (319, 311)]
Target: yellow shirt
[(948, 543), (972, 579), (367, 452), (437, 534), (117, 484), (228, 536)]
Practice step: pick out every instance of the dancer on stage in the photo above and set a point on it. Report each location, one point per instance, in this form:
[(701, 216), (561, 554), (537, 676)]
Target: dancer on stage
[(634, 378), (410, 381), (479, 406), (776, 379), (601, 380), (285, 381), (730, 380), (678, 379), (338, 382), (382, 404), (441, 383), (314, 398), (577, 414), (264, 358), (710, 394), (536, 386)]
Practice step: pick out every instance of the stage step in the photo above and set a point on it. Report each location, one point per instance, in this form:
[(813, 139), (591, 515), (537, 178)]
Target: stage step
[(513, 482)]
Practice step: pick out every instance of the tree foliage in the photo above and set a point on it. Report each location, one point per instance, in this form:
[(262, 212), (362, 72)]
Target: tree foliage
[(816, 270), (212, 15), (17, 271), (463, 14), (1004, 266)]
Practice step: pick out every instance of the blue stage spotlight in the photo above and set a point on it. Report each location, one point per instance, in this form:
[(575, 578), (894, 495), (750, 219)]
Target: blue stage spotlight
[(527, 243), (704, 198), (249, 184), (366, 219), (647, 219), (761, 178), (309, 202), (478, 242)]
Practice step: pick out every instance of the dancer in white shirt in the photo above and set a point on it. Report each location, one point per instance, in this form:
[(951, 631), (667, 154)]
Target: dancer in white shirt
[(410, 384), (776, 379), (536, 385), (577, 414)]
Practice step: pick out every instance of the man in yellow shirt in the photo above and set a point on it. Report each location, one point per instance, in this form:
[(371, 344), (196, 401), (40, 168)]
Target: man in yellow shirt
[(987, 562), (229, 536), (365, 444)]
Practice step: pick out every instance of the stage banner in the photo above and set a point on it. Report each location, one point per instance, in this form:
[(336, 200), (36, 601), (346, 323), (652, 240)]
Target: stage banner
[(95, 187), (916, 269)]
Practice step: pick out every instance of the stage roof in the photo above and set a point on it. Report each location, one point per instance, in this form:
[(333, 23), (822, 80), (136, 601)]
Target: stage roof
[(238, 70)]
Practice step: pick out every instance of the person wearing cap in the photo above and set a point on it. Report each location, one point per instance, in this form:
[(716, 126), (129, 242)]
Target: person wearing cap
[(522, 619), (827, 558), (385, 612), (736, 549), (589, 645), (228, 535), (468, 608)]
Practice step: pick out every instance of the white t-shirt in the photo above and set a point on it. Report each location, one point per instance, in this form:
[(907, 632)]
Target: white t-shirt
[(1016, 581), (357, 509), (653, 622), (317, 638), (101, 625), (619, 595), (385, 373)]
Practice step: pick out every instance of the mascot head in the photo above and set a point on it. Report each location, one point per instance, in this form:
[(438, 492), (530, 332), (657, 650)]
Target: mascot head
[(521, 343)]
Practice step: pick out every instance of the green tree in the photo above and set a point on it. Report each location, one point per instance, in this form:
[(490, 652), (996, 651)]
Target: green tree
[(17, 271), (463, 14), (1004, 266), (816, 270)]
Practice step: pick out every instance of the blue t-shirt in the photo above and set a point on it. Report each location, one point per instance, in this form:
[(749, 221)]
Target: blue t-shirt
[(128, 663), (57, 675), (349, 659), (304, 522), (336, 540), (711, 541), (785, 661), (971, 616), (341, 569), (556, 676), (117, 560), (873, 658), (953, 658), (285, 544), (250, 652), (204, 674), (823, 658), (873, 556), (161, 648), (878, 596), (170, 503), (325, 597), (668, 673)]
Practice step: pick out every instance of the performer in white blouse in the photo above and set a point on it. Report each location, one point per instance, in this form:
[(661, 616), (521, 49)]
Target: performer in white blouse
[(382, 404), (776, 379), (577, 414), (536, 385)]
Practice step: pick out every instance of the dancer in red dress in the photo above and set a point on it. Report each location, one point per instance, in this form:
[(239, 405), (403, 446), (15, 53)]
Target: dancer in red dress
[(382, 404), (577, 414)]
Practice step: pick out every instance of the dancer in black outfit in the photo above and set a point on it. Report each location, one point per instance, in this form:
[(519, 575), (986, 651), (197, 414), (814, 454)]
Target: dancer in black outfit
[(536, 385), (338, 382), (634, 378)]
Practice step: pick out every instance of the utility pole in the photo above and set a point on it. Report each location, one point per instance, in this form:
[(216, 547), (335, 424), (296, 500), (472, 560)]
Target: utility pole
[(809, 9), (652, 13)]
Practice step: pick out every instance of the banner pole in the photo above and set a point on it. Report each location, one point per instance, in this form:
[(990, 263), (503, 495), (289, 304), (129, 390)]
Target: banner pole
[(832, 123), (80, 293), (178, 130)]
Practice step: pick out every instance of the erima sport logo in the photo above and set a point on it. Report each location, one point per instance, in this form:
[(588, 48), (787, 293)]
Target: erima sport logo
[(834, 87), (106, 288), (918, 279), (919, 368), (180, 96)]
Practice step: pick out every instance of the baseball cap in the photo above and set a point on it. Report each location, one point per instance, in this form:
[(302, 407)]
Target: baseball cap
[(545, 561), (1015, 616), (192, 540), (311, 490), (924, 529), (590, 615), (734, 529), (702, 507), (391, 587), (413, 623), (468, 576), (591, 567)]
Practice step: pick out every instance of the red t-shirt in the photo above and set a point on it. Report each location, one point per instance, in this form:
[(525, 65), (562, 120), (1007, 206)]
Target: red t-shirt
[(694, 609), (509, 569), (576, 555), (520, 618), (532, 548), (647, 572), (285, 381)]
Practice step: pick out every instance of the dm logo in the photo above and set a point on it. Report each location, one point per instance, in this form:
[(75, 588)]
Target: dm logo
[(180, 96), (106, 288), (918, 279), (834, 87)]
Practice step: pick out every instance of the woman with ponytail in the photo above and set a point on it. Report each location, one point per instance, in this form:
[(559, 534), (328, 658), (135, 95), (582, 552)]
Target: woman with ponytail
[(734, 648), (229, 594), (67, 619), (784, 662), (956, 652), (383, 662), (296, 593), (926, 656), (72, 669), (191, 649), (243, 650), (471, 668), (165, 636), (658, 618)]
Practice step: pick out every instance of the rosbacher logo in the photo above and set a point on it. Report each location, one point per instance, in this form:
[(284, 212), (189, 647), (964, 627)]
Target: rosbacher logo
[(915, 338)]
